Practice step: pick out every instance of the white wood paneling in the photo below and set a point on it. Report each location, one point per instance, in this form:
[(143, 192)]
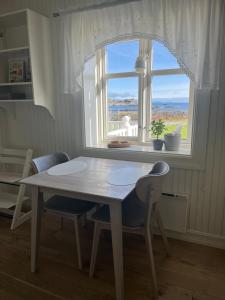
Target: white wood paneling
[(33, 127)]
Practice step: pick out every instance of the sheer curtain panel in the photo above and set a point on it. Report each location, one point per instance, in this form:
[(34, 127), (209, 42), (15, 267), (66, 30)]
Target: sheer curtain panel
[(191, 29)]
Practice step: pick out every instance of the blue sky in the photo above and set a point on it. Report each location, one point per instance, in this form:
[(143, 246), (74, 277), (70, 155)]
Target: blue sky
[(121, 57)]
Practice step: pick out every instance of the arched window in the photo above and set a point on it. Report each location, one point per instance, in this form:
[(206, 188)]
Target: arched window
[(121, 103)]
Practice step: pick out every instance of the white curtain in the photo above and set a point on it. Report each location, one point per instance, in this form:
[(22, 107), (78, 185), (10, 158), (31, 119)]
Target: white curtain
[(191, 29)]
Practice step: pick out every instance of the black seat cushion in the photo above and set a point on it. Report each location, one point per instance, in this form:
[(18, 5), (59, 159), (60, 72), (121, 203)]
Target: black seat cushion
[(68, 205), (133, 212)]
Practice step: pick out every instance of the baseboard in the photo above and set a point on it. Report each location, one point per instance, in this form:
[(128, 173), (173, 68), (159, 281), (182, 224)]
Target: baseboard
[(198, 237)]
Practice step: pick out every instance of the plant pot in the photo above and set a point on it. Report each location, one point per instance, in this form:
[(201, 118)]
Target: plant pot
[(172, 141), (157, 144)]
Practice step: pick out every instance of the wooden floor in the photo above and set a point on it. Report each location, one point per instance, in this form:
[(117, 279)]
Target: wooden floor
[(193, 272)]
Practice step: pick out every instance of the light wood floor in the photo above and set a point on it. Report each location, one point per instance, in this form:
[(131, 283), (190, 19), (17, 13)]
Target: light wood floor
[(193, 272)]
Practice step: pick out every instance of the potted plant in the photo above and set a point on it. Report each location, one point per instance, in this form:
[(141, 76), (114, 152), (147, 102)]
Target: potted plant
[(157, 128)]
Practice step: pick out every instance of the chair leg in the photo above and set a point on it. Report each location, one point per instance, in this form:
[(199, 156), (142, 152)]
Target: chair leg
[(152, 225), (96, 237), (152, 262), (61, 223), (162, 230), (76, 227), (84, 220)]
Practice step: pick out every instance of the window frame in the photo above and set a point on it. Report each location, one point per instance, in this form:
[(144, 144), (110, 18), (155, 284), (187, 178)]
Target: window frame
[(144, 95)]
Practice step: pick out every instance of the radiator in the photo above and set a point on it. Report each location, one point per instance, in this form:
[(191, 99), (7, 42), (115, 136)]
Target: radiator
[(174, 211)]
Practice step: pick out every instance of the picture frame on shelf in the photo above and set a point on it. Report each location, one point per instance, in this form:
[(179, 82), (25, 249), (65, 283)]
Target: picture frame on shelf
[(16, 70)]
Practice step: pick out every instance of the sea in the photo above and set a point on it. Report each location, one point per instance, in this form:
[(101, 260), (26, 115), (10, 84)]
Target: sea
[(158, 105)]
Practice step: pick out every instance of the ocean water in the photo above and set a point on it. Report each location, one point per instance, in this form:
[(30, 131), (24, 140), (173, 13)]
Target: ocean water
[(158, 105)]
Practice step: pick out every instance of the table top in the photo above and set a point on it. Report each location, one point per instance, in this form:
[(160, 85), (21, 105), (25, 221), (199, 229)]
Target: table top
[(113, 179)]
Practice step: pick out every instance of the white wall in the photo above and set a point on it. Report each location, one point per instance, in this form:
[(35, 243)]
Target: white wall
[(90, 103), (34, 127)]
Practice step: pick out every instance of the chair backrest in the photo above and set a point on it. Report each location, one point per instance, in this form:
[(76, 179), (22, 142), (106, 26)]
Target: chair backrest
[(45, 162), (160, 168), (149, 188), (151, 184)]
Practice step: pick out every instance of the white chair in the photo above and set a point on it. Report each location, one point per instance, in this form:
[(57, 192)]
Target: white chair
[(14, 165), (138, 210), (63, 206)]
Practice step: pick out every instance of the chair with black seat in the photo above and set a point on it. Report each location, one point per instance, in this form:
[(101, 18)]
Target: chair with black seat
[(64, 206), (138, 210)]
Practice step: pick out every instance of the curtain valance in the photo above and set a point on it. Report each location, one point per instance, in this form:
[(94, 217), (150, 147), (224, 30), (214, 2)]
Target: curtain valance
[(191, 29)]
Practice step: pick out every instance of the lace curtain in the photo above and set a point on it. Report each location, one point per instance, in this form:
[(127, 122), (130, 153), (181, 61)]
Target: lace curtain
[(191, 29)]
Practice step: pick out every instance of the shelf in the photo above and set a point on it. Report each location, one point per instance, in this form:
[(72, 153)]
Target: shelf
[(18, 49), (16, 100), (13, 19), (15, 83), (27, 37)]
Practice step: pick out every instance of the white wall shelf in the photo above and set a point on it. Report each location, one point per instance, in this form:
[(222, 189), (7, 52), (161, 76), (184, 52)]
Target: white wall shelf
[(17, 49), (15, 83), (27, 38), (16, 100)]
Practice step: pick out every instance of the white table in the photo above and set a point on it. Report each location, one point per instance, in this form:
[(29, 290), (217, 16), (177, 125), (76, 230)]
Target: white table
[(102, 181)]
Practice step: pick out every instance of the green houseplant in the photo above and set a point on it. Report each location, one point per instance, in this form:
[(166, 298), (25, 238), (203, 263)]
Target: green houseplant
[(157, 128)]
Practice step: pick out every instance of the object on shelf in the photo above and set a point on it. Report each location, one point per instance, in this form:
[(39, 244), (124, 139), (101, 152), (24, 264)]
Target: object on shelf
[(5, 96), (118, 144), (18, 96), (13, 96), (28, 69), (2, 40), (16, 70)]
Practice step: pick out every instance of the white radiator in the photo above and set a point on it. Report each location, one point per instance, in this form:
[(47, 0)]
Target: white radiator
[(174, 211)]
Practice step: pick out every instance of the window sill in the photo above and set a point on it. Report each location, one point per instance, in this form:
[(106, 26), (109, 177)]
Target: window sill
[(177, 159), (185, 149)]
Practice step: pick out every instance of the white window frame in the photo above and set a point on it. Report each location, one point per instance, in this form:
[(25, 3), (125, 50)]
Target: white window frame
[(191, 157), (144, 96)]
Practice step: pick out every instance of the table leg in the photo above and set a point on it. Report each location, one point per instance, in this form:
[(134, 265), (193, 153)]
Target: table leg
[(37, 207), (117, 243)]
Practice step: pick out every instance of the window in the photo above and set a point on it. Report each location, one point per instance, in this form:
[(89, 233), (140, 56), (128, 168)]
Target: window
[(126, 102)]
